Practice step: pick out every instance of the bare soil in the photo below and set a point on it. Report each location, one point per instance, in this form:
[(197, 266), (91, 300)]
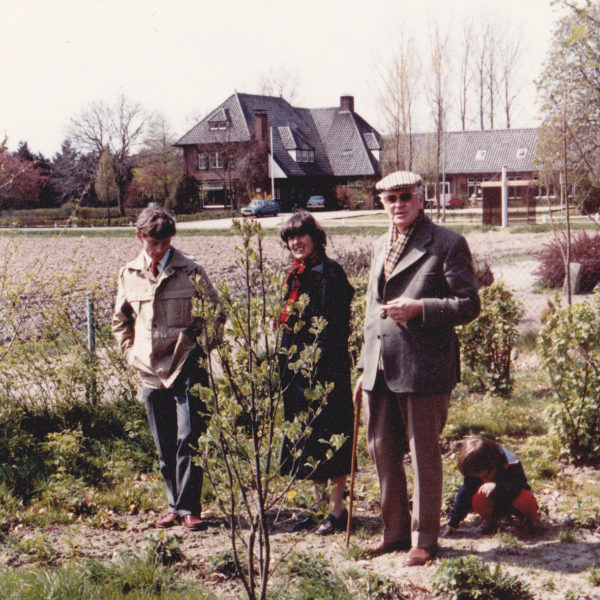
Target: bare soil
[(550, 565)]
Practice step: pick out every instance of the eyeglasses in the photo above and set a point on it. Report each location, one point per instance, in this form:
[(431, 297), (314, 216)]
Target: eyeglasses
[(403, 197)]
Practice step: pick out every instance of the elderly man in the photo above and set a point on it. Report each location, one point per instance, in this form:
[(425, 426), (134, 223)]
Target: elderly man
[(421, 285), (157, 333)]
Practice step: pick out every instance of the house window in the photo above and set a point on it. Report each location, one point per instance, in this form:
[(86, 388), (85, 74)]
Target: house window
[(216, 160), (480, 154), (521, 152), (306, 156), (218, 124), (202, 161)]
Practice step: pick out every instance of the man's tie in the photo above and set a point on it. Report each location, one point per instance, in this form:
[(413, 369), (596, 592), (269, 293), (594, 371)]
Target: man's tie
[(154, 268)]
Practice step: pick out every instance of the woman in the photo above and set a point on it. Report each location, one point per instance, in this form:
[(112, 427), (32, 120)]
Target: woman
[(326, 285)]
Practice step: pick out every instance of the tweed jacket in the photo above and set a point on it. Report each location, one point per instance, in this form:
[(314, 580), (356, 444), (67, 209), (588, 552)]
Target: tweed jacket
[(152, 320), (422, 355)]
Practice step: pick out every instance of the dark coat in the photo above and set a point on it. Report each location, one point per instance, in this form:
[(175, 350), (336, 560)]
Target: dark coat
[(421, 356), (330, 296)]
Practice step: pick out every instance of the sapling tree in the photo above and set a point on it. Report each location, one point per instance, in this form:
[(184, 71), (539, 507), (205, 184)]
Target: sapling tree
[(244, 405)]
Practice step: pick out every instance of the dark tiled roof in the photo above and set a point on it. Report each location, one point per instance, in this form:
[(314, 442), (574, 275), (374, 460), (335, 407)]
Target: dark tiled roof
[(292, 139), (479, 151), (341, 140)]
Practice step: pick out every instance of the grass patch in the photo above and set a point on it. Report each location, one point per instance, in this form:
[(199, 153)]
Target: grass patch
[(307, 576), (136, 578)]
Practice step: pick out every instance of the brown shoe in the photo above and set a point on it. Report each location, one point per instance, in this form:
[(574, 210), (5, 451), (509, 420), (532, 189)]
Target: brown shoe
[(418, 557), (193, 523), (381, 547), (167, 520)]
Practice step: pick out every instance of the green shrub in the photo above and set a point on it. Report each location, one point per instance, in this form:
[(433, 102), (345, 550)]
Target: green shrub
[(487, 342), (569, 345), (309, 576), (469, 578)]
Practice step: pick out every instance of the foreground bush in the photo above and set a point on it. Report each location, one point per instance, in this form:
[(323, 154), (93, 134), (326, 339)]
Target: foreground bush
[(569, 346), (137, 577), (469, 578), (487, 342), (585, 249)]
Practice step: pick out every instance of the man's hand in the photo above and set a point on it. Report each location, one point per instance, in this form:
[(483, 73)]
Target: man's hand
[(403, 309), (357, 391)]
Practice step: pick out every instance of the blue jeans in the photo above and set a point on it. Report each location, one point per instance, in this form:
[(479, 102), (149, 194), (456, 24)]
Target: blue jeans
[(176, 423)]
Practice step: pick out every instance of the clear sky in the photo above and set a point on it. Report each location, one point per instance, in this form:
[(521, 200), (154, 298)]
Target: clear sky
[(184, 57)]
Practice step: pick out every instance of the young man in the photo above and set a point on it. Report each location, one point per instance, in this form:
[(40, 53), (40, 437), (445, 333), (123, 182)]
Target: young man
[(157, 334), (421, 285)]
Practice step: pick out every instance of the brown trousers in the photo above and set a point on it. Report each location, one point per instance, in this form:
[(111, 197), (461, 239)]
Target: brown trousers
[(390, 419)]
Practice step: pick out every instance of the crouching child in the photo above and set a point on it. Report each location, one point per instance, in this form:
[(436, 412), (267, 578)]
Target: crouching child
[(494, 486)]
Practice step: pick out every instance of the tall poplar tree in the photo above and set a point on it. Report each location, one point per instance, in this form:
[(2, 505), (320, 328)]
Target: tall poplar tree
[(106, 183)]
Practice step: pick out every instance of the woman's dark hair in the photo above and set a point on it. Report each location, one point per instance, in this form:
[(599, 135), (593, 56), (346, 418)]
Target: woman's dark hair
[(478, 453), (300, 223), (155, 222)]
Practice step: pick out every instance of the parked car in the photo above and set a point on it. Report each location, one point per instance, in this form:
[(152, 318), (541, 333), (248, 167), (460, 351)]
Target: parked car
[(260, 207), (448, 200), (315, 202)]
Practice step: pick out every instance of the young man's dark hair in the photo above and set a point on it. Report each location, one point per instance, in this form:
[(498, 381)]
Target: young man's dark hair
[(302, 223), (155, 222)]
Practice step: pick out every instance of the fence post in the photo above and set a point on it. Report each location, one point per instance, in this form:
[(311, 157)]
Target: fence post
[(91, 330), (90, 325)]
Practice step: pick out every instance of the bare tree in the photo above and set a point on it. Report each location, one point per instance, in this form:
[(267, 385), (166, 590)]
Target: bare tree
[(439, 95), (491, 72), (116, 128), (510, 50), (399, 84), (466, 72), (280, 81), (479, 66)]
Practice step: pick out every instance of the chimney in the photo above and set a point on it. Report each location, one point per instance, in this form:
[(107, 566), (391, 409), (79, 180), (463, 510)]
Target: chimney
[(346, 103), (261, 128)]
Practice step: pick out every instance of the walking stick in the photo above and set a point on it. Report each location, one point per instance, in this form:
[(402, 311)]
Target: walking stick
[(353, 466)]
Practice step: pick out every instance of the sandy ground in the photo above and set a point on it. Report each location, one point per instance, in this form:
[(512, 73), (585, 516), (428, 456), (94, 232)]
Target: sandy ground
[(549, 565)]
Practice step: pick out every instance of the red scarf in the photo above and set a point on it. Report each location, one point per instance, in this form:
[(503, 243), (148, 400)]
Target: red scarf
[(293, 281)]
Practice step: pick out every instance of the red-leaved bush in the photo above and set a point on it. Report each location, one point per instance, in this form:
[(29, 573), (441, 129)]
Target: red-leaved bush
[(585, 249)]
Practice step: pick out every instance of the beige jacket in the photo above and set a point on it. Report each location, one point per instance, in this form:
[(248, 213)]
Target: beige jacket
[(153, 322)]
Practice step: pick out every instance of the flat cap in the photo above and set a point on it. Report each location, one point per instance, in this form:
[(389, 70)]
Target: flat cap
[(398, 180)]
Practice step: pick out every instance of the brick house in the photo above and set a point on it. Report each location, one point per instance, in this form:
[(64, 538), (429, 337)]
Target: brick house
[(314, 150), (470, 158)]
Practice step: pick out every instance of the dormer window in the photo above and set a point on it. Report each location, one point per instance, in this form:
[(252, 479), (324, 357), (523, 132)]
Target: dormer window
[(480, 154), (349, 152), (219, 120), (218, 124), (303, 156), (521, 152)]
